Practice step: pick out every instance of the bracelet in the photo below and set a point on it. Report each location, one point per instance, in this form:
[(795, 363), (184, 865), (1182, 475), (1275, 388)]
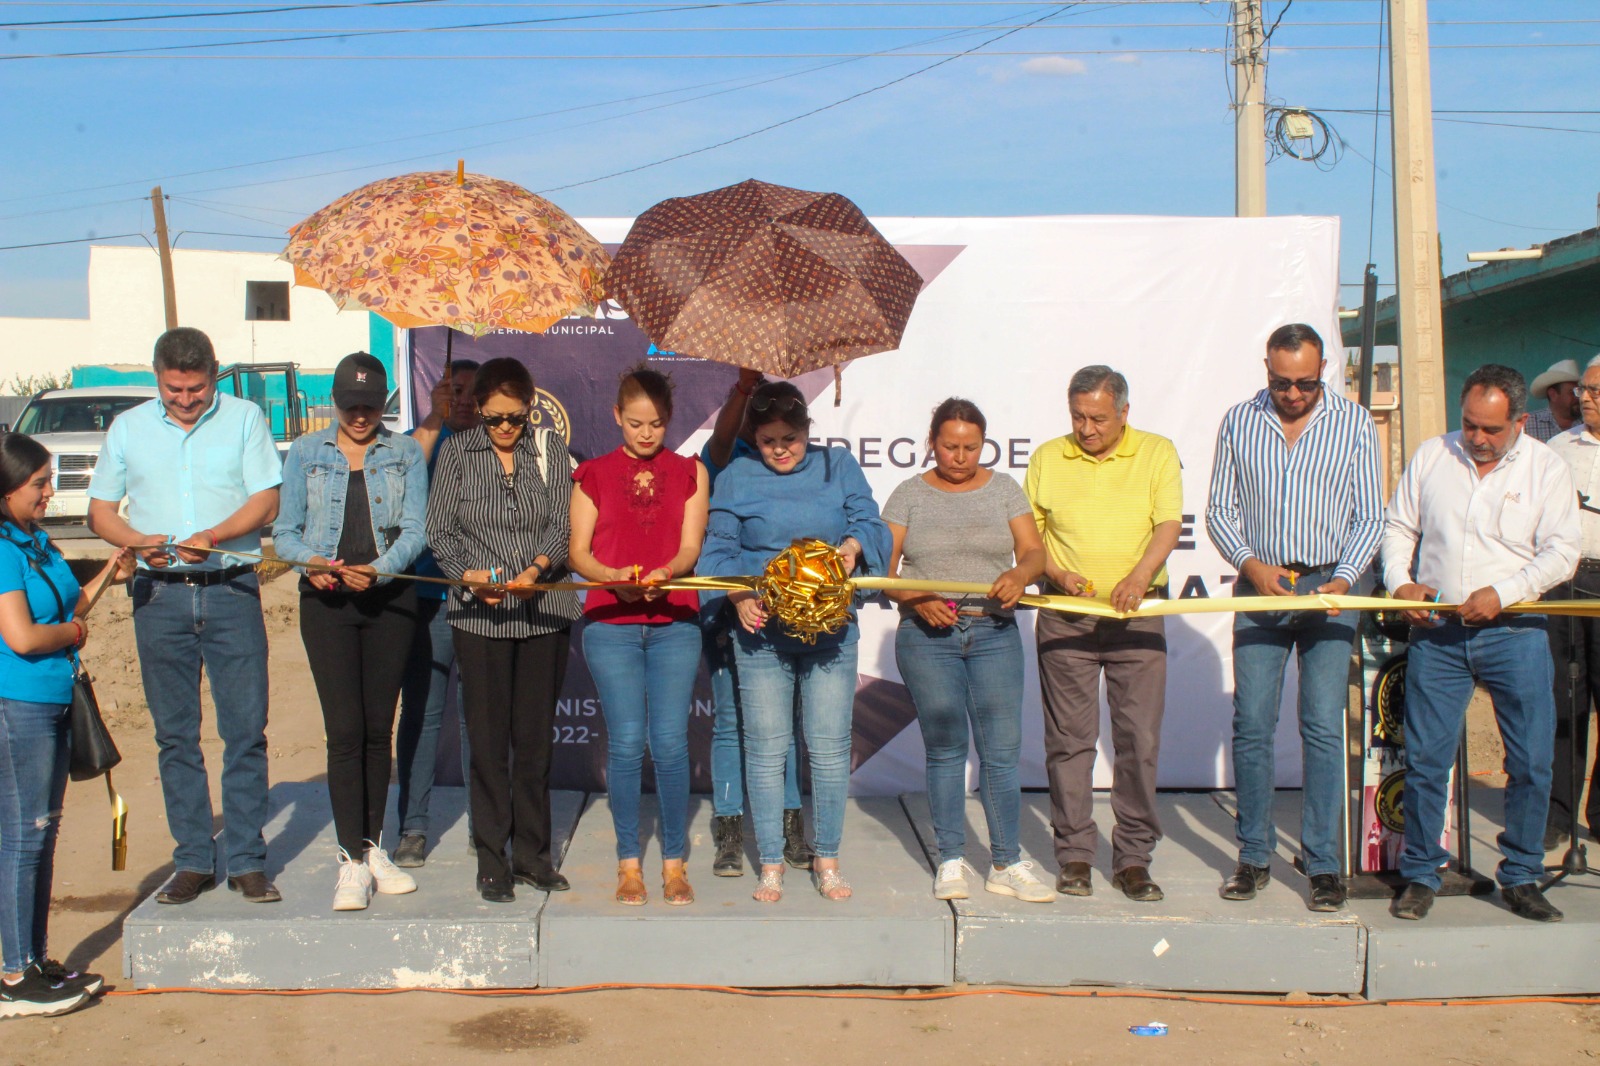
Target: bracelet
[(746, 393), (82, 632)]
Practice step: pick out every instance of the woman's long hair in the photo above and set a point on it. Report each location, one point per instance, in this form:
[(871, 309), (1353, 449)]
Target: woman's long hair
[(21, 457)]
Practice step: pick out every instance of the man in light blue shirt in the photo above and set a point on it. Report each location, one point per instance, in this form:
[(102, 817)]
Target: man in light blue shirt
[(199, 472)]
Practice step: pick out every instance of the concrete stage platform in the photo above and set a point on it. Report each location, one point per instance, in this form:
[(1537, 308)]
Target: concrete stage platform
[(440, 936), (892, 934)]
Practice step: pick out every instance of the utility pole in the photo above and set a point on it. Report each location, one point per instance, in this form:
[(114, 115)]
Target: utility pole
[(1250, 114), (1416, 227), (169, 290)]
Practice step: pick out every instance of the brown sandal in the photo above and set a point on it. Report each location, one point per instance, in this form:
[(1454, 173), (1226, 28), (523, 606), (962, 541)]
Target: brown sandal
[(630, 886), (675, 888)]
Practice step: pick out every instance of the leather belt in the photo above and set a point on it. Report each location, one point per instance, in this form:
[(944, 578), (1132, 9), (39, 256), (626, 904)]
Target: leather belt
[(197, 578), (1589, 566), (973, 612), (1309, 568)]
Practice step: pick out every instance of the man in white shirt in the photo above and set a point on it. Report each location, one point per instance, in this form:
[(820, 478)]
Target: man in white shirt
[(1572, 639), (1483, 517)]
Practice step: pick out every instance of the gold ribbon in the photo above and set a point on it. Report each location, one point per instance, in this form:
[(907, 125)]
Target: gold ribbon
[(119, 827)]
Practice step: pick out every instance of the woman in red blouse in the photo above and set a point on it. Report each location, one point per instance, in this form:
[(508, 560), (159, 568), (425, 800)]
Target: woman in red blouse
[(639, 514)]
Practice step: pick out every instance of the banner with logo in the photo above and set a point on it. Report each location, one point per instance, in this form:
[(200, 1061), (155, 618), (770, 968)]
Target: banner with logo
[(1010, 308)]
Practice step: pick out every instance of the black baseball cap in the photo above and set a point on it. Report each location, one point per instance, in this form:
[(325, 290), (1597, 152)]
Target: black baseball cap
[(360, 381)]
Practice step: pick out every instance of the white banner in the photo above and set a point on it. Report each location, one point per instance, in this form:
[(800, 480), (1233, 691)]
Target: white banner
[(1182, 307)]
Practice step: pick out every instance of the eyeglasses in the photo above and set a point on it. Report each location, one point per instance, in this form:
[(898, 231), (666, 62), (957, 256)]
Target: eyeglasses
[(496, 421), (1306, 385), (1590, 391)]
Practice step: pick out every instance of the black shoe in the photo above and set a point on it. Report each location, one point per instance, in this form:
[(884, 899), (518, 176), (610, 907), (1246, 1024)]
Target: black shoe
[(37, 997), (796, 852), (412, 851), (255, 888), (1327, 893), (1414, 903), (185, 886), (1554, 837), (496, 889), (545, 880), (57, 974), (1246, 881), (1136, 885), (1073, 880), (1526, 901), (727, 836)]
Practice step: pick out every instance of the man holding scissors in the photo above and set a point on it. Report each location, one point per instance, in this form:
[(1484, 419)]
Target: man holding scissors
[(1484, 517), (1297, 507), (200, 472)]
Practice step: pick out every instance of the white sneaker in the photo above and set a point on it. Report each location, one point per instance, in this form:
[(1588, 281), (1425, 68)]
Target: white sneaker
[(355, 885), (951, 880), (386, 876), (1018, 880)]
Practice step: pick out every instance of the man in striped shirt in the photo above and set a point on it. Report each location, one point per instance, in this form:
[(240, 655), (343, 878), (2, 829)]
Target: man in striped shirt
[(1296, 506)]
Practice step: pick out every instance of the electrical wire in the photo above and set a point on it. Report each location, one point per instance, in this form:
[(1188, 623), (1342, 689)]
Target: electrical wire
[(807, 114), (212, 14), (1460, 210), (1284, 1002), (1377, 125), (79, 240), (1323, 147), (144, 52)]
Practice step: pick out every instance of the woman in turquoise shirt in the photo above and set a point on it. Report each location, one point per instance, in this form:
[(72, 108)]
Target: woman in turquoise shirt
[(761, 503), (41, 628)]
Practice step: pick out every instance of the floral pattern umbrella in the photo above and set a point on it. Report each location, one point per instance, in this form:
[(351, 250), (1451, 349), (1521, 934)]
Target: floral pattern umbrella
[(763, 276), (441, 249)]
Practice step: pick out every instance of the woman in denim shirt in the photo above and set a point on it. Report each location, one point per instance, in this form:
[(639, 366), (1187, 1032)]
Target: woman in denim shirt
[(354, 498), (760, 504)]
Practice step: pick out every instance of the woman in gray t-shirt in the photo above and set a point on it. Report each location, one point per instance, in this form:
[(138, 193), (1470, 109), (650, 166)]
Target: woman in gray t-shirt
[(961, 656)]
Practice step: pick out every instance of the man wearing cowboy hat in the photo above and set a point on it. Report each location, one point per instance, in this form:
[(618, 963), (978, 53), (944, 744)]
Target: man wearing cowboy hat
[(1559, 385)]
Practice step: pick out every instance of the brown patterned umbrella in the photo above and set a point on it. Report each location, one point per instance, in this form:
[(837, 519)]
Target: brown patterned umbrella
[(763, 276)]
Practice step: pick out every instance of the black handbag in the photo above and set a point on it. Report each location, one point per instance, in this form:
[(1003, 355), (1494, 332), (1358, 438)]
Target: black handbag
[(93, 751)]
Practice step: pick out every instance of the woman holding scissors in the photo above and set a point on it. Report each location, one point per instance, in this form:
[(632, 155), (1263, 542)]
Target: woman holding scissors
[(498, 521), (352, 507)]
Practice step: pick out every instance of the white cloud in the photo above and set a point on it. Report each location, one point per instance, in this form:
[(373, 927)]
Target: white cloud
[(1055, 66), (1129, 58)]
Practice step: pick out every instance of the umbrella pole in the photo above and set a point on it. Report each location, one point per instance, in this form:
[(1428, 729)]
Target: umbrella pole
[(449, 339)]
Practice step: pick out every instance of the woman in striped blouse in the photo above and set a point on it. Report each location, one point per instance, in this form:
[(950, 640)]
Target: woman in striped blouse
[(498, 516)]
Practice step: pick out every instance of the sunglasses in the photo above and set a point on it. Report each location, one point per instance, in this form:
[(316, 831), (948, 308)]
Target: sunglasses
[(496, 421), (1306, 385), (762, 404)]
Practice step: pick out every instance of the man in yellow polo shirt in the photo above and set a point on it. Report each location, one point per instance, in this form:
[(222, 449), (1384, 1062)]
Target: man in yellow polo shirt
[(1108, 499)]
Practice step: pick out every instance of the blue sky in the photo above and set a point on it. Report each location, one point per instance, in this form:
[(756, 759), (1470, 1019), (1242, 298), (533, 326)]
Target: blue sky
[(1089, 108)]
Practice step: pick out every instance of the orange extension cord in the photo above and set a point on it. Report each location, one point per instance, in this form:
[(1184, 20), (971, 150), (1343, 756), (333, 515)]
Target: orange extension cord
[(897, 997)]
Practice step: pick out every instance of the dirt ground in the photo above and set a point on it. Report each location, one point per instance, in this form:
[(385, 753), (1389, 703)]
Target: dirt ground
[(662, 1026)]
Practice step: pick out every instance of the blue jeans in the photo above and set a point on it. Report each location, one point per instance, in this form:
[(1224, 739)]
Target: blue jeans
[(177, 628), (822, 682), (644, 675), (727, 751), (969, 671), (1513, 662), (423, 696), (33, 784), (1262, 643)]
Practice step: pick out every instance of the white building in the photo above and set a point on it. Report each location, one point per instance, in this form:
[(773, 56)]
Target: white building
[(245, 302)]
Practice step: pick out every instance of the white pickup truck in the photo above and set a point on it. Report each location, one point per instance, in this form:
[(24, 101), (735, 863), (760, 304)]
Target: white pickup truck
[(72, 423)]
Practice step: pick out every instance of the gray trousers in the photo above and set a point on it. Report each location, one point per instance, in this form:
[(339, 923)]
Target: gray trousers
[(1073, 652)]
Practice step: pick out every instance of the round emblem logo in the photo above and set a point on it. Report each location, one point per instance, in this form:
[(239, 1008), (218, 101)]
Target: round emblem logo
[(549, 413), (1389, 703), (1387, 802)]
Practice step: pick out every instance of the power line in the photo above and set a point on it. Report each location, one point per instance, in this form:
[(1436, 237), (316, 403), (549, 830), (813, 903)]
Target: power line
[(1462, 210), (79, 240), (807, 114), (390, 32), (211, 14)]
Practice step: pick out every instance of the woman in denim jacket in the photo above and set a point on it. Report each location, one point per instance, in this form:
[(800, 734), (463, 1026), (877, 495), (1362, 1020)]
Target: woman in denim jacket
[(354, 498)]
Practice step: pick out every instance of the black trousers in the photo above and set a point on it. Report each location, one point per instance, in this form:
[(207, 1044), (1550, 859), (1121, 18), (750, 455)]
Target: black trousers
[(357, 646), (508, 697), (1573, 729)]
